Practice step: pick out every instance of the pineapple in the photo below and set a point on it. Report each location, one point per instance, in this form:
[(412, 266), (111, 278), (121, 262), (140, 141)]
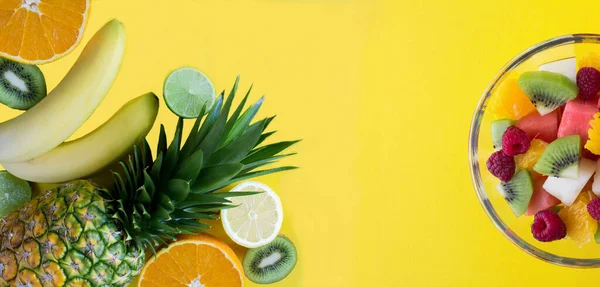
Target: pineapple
[(81, 234)]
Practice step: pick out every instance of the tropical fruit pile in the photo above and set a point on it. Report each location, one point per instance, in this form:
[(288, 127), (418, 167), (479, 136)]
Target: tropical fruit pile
[(151, 219), (547, 141)]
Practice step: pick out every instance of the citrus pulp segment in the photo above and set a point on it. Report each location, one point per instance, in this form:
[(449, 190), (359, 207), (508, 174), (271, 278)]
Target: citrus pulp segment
[(257, 219), (187, 91)]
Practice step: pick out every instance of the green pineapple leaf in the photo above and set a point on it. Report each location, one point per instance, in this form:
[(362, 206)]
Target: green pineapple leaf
[(234, 117), (162, 140), (243, 122), (238, 148), (190, 168), (178, 189), (210, 121), (171, 157), (267, 161), (215, 177), (263, 137), (193, 139), (268, 151)]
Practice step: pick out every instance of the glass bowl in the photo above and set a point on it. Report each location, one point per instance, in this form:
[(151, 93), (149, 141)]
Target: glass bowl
[(518, 230)]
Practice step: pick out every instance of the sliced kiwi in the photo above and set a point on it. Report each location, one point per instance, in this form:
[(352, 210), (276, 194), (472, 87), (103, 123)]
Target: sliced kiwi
[(498, 129), (547, 90), (561, 158), (21, 86), (272, 262), (517, 192)]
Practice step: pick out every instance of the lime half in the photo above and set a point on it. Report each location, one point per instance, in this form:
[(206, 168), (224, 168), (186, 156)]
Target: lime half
[(186, 91), (14, 193)]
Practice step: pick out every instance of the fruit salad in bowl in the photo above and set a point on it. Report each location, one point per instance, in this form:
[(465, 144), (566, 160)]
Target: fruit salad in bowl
[(534, 150)]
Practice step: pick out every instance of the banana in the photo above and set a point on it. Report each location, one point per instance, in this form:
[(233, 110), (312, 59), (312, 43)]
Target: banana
[(95, 151), (70, 104)]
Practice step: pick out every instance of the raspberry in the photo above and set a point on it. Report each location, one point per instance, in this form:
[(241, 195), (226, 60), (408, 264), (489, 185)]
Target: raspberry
[(593, 208), (501, 165), (588, 81), (547, 226), (515, 141)]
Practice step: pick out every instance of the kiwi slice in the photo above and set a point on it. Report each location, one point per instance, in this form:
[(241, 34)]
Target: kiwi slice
[(498, 129), (21, 86), (272, 262), (547, 90), (517, 192), (561, 158)]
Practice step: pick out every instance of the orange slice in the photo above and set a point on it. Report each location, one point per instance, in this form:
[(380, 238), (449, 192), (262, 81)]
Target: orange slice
[(41, 31), (533, 154), (590, 60), (508, 101), (581, 226), (193, 261)]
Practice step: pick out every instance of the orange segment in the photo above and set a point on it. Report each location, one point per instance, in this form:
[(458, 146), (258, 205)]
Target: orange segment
[(11, 34), (10, 4), (74, 6), (581, 227), (508, 101), (62, 15), (533, 154), (590, 60), (41, 31), (199, 260), (35, 43), (5, 15), (58, 33), (593, 143)]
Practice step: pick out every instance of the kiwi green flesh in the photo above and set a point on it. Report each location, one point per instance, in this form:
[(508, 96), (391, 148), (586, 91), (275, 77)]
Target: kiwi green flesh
[(498, 129), (561, 158), (547, 90), (21, 86), (517, 192), (270, 263)]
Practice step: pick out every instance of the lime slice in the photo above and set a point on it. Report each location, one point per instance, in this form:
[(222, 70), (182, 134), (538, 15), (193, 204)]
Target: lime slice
[(14, 193), (186, 91), (257, 219)]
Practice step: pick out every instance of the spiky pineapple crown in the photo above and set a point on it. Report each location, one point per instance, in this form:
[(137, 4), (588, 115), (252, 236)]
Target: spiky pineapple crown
[(157, 199)]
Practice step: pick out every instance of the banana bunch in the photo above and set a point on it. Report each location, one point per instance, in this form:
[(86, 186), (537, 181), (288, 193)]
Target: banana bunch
[(32, 145)]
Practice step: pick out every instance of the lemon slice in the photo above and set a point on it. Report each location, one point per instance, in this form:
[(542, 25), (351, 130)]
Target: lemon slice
[(258, 218)]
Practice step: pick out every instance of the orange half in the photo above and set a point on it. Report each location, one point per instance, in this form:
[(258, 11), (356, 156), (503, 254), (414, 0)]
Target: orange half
[(197, 261), (41, 31)]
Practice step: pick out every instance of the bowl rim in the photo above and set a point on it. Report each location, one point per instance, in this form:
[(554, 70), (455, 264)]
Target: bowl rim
[(473, 153)]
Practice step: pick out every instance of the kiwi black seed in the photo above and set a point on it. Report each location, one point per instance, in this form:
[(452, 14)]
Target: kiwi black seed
[(270, 263), (561, 158), (547, 90), (518, 191), (21, 86)]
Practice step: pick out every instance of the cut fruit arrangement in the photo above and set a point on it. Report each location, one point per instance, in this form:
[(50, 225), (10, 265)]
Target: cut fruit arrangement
[(546, 136), (150, 220)]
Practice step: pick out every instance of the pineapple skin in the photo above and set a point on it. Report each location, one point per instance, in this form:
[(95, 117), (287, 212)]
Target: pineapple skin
[(67, 237)]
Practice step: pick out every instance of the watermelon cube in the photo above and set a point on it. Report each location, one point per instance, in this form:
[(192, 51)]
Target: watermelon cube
[(541, 199), (541, 127), (576, 119)]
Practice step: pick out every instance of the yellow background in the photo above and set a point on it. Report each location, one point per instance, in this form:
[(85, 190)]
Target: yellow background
[(382, 92)]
